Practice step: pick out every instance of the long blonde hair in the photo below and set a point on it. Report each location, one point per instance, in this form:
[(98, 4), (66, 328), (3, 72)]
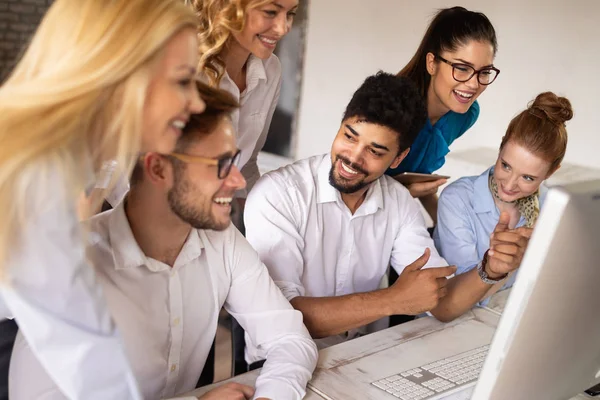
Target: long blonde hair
[(77, 97), (217, 21)]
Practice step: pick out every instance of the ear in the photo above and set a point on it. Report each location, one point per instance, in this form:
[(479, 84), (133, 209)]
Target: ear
[(430, 63), (399, 158), (157, 169)]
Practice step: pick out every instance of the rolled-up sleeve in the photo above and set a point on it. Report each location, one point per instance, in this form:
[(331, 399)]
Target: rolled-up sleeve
[(52, 293), (271, 323), (455, 236), (272, 229), (412, 240)]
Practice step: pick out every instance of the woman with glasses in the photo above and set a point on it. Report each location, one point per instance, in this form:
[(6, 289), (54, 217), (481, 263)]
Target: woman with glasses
[(484, 221), (100, 81), (452, 67)]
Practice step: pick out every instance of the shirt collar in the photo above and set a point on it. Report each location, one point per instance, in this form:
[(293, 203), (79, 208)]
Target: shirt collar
[(128, 254), (255, 72), (327, 193), (483, 201)]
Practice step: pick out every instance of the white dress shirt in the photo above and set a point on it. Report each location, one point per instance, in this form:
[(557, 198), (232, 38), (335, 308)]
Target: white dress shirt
[(168, 316), (52, 292), (314, 246), (257, 105)]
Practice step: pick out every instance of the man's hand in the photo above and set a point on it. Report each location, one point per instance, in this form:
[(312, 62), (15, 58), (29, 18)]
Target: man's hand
[(421, 189), (507, 247), (418, 290), (230, 391)]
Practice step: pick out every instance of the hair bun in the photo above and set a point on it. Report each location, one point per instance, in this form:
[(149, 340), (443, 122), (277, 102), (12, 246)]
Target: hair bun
[(556, 109)]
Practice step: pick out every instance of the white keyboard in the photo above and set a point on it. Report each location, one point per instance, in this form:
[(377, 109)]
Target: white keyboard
[(437, 379)]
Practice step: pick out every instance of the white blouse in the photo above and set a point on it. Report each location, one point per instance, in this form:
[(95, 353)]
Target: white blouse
[(52, 292), (257, 105)]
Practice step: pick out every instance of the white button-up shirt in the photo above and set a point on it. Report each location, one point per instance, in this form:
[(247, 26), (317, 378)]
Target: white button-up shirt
[(257, 105), (168, 316), (52, 292), (314, 246)]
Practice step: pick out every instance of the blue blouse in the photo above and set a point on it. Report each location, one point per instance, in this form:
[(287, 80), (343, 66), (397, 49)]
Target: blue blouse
[(428, 152), (467, 216)]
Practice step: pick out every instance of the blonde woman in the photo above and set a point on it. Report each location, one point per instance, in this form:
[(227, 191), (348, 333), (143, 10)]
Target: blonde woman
[(101, 80), (237, 39)]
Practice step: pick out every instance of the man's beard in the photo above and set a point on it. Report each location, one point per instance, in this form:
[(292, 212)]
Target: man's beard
[(339, 183), (197, 218)]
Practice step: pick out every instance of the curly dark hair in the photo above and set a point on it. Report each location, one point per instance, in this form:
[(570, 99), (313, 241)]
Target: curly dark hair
[(391, 101)]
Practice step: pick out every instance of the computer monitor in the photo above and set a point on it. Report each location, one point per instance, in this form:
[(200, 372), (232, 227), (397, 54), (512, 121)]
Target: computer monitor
[(547, 345)]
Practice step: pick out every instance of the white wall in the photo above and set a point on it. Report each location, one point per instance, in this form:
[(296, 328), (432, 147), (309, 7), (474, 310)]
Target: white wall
[(543, 45)]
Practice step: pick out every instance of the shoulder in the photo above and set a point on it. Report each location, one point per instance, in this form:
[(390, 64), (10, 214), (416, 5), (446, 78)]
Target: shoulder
[(460, 123), (299, 176), (397, 199), (227, 248), (394, 189), (459, 191)]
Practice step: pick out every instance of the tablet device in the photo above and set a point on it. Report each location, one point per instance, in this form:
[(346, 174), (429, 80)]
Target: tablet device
[(408, 178)]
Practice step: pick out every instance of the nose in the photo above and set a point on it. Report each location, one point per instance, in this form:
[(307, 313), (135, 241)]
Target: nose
[(511, 183), (356, 155), (235, 179), (473, 83), (282, 24), (196, 104)]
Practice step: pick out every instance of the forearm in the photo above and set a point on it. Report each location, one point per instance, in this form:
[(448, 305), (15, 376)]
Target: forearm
[(288, 368), (327, 316), (430, 203), (464, 291)]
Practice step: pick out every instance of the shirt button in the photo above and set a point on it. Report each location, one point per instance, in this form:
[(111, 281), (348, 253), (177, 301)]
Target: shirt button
[(173, 367), (176, 322)]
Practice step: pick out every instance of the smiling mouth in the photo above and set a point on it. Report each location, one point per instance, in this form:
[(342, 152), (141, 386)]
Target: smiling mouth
[(223, 201), (348, 172), (267, 41)]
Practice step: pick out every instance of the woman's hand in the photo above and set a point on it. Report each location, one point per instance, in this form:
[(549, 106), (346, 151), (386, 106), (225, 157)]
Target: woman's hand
[(422, 189)]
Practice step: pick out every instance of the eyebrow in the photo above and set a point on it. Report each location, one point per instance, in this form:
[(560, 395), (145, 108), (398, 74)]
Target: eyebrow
[(529, 175), (374, 144), (471, 64), (282, 7)]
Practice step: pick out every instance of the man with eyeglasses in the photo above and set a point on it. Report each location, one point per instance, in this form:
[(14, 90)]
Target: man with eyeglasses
[(168, 259)]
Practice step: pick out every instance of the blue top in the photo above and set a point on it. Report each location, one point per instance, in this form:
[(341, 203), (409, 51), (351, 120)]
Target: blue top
[(467, 216), (428, 152)]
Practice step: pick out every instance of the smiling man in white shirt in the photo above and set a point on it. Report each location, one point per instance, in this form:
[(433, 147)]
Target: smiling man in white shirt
[(169, 258), (327, 227)]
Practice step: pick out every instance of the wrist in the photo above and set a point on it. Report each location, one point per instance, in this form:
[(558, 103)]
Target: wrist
[(486, 274)]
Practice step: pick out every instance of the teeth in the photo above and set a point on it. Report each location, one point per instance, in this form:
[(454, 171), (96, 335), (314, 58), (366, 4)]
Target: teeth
[(223, 200), (269, 41), (178, 124), (347, 169), (464, 94)]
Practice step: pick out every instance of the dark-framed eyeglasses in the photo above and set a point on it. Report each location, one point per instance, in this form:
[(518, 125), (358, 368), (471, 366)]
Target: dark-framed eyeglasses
[(464, 72), (224, 164)]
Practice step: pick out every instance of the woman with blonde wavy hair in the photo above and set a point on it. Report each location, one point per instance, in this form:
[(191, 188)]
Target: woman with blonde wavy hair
[(236, 43), (100, 80)]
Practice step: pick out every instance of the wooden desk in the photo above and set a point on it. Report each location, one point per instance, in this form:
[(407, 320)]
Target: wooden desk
[(334, 361), (249, 378)]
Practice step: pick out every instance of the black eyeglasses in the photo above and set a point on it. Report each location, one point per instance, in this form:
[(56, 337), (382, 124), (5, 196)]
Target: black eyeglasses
[(224, 164), (464, 72)]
